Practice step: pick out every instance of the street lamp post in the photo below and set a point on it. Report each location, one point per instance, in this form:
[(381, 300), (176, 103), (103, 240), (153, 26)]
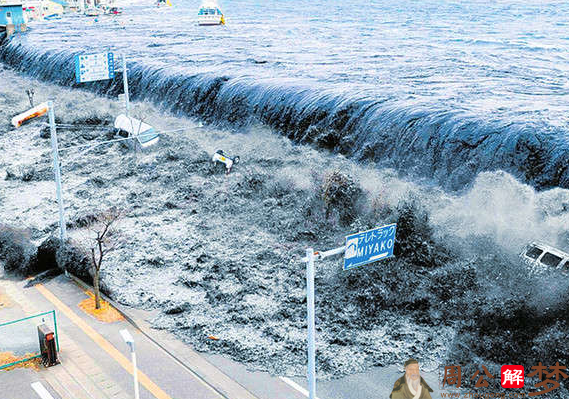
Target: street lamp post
[(130, 342), (57, 171)]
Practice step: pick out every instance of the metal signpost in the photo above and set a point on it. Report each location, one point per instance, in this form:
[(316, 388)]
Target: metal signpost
[(125, 80), (101, 66), (360, 249)]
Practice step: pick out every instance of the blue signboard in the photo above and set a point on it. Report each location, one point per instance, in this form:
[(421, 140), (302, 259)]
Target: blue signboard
[(90, 67), (369, 246)]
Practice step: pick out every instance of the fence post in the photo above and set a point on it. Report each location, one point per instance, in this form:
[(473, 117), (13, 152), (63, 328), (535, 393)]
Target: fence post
[(55, 330)]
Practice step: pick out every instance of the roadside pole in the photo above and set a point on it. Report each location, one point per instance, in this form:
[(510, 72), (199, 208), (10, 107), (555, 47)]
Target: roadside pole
[(55, 153), (360, 249), (125, 80), (311, 337), (310, 257)]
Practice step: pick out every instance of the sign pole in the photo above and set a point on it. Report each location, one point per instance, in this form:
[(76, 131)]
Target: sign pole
[(125, 80), (311, 338), (360, 249), (53, 131)]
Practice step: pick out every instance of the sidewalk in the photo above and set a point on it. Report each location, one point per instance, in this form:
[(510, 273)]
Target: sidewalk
[(77, 376), (95, 362)]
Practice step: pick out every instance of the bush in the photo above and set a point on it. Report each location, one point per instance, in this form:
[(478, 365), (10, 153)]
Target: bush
[(414, 238), (16, 249), (74, 259), (341, 195), (45, 258)]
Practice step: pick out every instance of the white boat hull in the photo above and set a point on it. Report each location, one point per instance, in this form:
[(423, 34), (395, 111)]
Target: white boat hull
[(210, 20)]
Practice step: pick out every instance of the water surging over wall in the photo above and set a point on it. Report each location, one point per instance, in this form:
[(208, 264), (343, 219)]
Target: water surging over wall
[(449, 145)]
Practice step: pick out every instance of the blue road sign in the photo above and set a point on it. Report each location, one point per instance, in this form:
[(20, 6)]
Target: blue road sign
[(369, 246), (90, 67)]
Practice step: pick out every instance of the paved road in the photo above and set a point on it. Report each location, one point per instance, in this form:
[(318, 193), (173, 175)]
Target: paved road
[(169, 378), (103, 343), (16, 384)]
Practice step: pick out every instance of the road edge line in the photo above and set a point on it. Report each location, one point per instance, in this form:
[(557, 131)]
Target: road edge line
[(103, 343), (144, 331), (295, 386)]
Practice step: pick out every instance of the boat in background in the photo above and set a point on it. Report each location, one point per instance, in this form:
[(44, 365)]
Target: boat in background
[(112, 10), (163, 3), (92, 12), (51, 10), (210, 14)]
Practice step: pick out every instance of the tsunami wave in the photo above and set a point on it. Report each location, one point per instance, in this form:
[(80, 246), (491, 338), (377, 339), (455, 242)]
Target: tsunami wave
[(449, 146)]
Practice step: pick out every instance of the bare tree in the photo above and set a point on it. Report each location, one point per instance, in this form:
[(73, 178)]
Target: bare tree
[(102, 240)]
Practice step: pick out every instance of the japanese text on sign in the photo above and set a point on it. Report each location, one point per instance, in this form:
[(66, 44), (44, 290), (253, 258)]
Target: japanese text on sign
[(369, 246), (91, 67)]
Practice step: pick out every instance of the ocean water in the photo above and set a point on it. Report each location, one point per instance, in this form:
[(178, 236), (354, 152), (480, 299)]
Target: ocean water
[(437, 89)]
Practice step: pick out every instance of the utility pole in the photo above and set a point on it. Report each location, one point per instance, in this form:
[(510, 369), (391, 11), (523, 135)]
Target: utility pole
[(55, 153)]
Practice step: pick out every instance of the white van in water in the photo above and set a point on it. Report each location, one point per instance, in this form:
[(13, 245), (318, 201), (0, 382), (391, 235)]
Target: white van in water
[(541, 256), (144, 134)]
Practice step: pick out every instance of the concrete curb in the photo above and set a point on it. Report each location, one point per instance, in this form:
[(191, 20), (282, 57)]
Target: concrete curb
[(228, 388)]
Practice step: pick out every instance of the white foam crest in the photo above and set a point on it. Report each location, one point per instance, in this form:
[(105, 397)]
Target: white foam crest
[(510, 212)]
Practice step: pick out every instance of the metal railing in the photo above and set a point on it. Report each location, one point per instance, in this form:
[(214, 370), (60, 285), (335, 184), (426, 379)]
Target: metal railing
[(20, 337)]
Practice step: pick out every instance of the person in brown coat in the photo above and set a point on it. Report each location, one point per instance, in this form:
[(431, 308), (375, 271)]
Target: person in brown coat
[(411, 385)]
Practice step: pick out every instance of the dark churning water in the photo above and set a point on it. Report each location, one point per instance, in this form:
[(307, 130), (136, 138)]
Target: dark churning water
[(440, 89)]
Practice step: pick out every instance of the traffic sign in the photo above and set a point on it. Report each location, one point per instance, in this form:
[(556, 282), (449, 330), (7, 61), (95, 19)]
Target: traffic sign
[(369, 246), (90, 67)]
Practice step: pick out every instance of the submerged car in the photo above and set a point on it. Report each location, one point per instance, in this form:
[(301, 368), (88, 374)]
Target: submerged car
[(542, 256), (144, 134)]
